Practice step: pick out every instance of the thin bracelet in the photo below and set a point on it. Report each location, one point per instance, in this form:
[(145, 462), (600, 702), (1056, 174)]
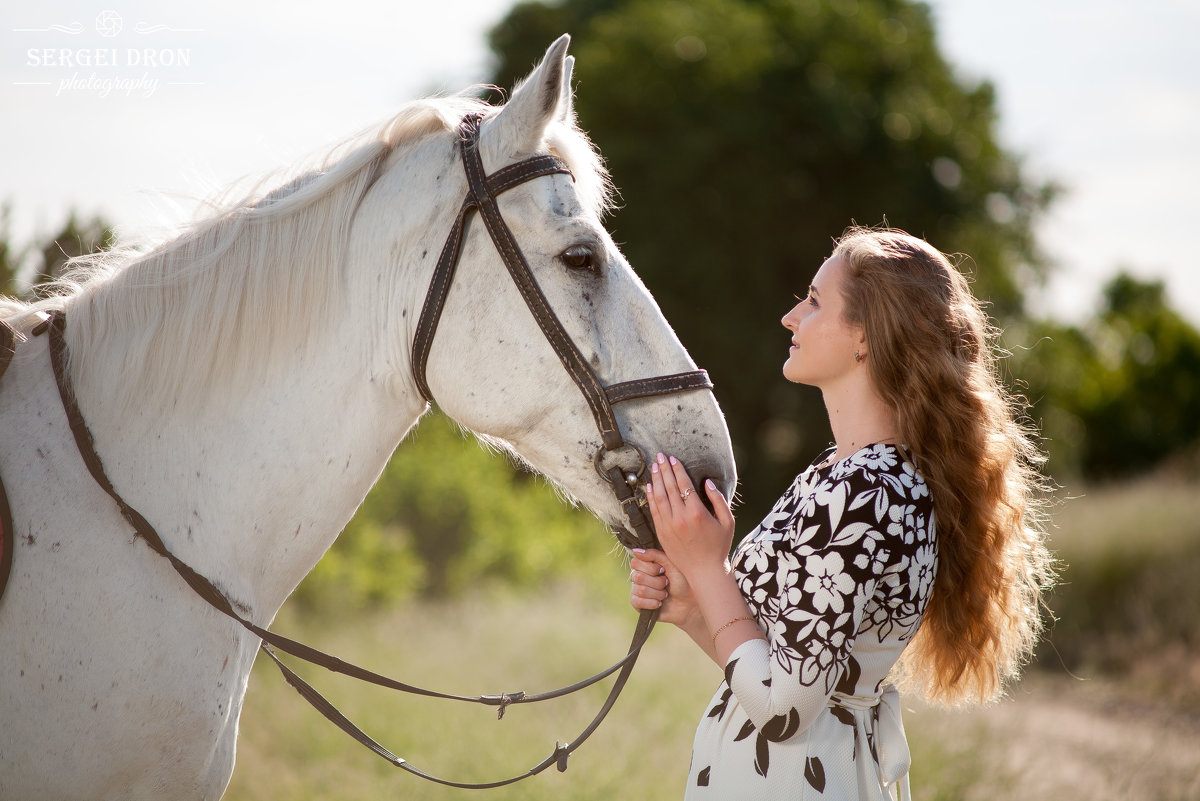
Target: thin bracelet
[(727, 625)]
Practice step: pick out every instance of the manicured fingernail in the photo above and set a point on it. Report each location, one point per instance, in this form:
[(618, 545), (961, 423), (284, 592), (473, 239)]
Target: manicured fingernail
[(649, 489), (654, 467), (674, 460), (661, 459), (708, 482), (639, 550)]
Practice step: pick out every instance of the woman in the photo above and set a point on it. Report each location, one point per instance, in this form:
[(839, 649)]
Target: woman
[(848, 584)]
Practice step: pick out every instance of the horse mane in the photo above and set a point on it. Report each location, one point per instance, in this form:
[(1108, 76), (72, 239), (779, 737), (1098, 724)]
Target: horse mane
[(200, 315)]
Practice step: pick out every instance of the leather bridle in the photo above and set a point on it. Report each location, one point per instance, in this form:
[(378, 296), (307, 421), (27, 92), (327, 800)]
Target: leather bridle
[(615, 455), (481, 197)]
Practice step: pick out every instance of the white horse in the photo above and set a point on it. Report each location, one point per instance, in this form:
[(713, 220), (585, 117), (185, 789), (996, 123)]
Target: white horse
[(246, 383)]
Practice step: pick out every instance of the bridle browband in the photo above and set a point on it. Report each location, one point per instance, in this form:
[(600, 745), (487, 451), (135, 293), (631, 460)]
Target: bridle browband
[(482, 190)]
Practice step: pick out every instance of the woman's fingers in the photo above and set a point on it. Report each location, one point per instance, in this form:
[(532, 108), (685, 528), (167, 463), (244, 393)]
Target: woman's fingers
[(655, 581), (649, 562), (683, 482), (638, 602), (671, 485), (720, 504), (648, 587), (648, 581), (666, 474)]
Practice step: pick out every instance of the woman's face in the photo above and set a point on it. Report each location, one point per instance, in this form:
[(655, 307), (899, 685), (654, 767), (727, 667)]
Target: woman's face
[(823, 343)]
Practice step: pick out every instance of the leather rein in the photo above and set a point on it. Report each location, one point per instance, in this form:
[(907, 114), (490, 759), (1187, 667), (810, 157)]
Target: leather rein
[(610, 460)]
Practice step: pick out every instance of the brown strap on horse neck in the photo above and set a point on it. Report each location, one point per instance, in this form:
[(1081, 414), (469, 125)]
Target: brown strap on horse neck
[(8, 348), (56, 325), (8, 345)]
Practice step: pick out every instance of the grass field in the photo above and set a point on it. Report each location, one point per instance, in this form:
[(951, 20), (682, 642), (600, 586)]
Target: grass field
[(1112, 710)]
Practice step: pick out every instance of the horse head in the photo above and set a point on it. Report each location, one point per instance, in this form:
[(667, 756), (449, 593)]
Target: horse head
[(498, 370)]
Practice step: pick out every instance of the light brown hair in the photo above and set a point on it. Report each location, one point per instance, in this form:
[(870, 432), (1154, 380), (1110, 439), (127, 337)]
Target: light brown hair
[(933, 359)]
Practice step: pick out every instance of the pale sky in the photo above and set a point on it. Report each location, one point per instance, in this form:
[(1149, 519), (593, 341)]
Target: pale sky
[(181, 99)]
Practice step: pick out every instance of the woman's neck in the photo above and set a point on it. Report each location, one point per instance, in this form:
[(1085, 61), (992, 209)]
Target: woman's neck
[(859, 417)]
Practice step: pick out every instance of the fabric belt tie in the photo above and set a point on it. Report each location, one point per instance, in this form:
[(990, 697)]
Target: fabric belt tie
[(891, 744)]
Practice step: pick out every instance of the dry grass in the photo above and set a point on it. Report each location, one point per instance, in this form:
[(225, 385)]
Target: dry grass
[(1055, 737), (1108, 729), (483, 644)]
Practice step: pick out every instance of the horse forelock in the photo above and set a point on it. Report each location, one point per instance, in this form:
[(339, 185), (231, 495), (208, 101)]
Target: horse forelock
[(216, 306)]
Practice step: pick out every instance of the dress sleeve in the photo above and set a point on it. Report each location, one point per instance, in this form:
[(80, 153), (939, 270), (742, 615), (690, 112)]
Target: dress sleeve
[(813, 587)]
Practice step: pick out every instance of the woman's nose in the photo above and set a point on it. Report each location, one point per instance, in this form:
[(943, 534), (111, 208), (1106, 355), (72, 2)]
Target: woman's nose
[(791, 318)]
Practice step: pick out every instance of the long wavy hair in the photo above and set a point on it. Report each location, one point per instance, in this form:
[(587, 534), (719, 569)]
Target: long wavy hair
[(932, 356)]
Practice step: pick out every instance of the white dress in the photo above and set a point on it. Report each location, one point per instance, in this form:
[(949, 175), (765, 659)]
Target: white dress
[(838, 576)]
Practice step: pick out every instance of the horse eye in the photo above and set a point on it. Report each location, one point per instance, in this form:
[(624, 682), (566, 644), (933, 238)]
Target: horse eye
[(579, 257)]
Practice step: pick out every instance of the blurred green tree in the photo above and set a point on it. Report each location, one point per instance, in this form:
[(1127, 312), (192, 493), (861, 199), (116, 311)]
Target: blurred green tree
[(78, 237), (1120, 393), (10, 260), (447, 514), (744, 135), (42, 261)]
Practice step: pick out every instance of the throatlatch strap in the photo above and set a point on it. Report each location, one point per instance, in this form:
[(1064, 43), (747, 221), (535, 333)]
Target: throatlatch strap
[(6, 539), (8, 347)]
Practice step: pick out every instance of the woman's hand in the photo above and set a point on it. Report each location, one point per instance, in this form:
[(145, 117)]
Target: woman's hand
[(655, 583), (695, 540), (695, 562)]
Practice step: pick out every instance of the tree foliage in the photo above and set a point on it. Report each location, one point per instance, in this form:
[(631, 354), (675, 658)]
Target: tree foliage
[(745, 134), (38, 262), (1119, 393), (445, 515)]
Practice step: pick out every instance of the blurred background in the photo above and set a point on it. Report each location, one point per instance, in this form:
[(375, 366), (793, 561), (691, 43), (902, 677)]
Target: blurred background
[(1053, 144)]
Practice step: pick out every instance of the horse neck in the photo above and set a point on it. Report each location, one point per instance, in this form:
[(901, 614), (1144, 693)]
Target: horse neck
[(252, 494)]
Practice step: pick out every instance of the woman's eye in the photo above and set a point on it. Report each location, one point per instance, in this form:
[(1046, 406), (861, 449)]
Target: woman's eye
[(579, 257)]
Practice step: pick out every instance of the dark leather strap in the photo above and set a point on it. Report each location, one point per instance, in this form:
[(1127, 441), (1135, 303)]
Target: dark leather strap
[(443, 273), (663, 385), (56, 325), (6, 539), (557, 757), (8, 345), (518, 268)]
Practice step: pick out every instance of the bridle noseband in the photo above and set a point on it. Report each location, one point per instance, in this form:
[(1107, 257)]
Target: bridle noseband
[(620, 463), (482, 190)]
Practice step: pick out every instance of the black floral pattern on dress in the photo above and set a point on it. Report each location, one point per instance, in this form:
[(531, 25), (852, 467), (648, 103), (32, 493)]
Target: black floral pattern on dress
[(843, 536)]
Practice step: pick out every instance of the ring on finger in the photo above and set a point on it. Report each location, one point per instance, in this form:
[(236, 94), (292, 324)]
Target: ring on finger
[(683, 496)]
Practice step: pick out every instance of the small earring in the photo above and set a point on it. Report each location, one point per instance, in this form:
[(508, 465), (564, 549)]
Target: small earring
[(858, 357)]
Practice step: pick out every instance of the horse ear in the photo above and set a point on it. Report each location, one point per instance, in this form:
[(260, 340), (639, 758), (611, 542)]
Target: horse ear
[(543, 97), (566, 105)]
